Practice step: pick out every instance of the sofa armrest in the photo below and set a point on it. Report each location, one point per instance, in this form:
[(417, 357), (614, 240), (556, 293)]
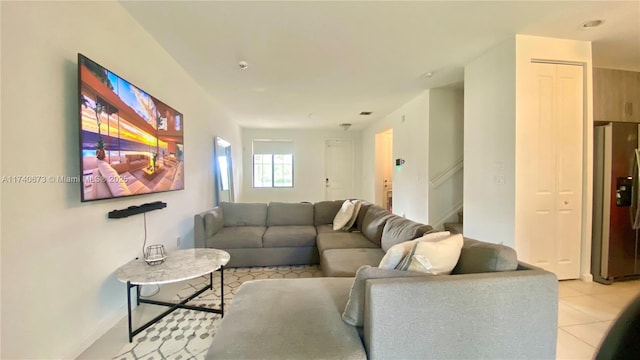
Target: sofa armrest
[(507, 315), (205, 227)]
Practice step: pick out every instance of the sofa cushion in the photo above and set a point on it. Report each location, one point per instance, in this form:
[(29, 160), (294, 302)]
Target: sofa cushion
[(288, 319), (326, 228), (116, 184), (398, 229), (237, 237), (353, 313), (286, 236), (397, 252), (342, 240), (280, 214), (373, 223), (364, 207), (433, 257), (325, 211), (479, 257), (345, 262), (120, 167), (213, 222), (244, 214), (101, 190)]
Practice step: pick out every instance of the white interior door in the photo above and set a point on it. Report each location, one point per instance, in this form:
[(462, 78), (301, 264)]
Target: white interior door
[(339, 169), (552, 200)]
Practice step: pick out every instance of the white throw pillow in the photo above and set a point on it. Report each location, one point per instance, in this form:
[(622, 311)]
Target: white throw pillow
[(344, 215), (397, 252), (356, 209), (436, 258)]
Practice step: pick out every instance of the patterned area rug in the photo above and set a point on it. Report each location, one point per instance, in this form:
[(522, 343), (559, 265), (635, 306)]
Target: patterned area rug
[(186, 334)]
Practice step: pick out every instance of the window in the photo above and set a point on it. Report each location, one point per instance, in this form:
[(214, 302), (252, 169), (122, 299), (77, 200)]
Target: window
[(177, 122), (272, 164)]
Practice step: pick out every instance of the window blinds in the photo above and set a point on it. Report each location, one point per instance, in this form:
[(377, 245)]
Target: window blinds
[(277, 147)]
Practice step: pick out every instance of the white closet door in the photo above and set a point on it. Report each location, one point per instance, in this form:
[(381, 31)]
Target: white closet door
[(553, 191), (569, 147)]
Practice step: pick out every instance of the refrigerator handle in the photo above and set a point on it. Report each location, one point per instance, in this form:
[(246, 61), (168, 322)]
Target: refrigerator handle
[(635, 214)]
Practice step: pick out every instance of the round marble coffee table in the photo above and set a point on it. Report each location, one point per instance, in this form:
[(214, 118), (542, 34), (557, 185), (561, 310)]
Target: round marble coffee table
[(179, 265)]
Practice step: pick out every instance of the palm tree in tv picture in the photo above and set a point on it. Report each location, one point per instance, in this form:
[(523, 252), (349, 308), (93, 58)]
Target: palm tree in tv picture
[(100, 146), (100, 107)]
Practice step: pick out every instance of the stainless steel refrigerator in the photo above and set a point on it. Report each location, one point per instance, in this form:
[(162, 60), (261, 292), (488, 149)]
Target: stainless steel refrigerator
[(616, 218)]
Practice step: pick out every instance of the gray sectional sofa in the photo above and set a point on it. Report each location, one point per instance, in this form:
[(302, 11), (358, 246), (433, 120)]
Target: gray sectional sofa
[(302, 233), (490, 307)]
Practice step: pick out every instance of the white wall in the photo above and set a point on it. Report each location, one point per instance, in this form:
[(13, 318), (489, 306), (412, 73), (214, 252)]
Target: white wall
[(309, 164), (446, 151), (410, 125), (489, 145), (541, 48), (496, 89), (58, 255)]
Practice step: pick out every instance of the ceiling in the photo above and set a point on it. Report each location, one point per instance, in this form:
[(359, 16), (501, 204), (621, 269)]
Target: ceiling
[(319, 64)]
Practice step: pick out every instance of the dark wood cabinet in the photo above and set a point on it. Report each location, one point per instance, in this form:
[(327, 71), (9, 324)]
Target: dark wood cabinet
[(616, 95)]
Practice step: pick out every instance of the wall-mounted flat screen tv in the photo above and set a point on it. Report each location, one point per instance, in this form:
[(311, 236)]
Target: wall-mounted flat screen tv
[(130, 142)]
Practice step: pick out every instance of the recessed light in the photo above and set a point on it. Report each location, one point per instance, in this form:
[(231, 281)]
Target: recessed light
[(428, 75), (591, 24), (366, 113)]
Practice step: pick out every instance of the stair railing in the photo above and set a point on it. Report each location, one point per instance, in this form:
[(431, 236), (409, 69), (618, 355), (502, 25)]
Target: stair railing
[(446, 174), (440, 179)]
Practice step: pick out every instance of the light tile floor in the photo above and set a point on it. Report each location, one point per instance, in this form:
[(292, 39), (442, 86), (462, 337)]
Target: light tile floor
[(585, 312)]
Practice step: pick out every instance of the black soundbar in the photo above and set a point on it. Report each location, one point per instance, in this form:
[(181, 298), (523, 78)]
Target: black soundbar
[(133, 210)]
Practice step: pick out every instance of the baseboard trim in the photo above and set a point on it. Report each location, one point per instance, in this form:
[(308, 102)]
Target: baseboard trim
[(586, 277), (102, 328)]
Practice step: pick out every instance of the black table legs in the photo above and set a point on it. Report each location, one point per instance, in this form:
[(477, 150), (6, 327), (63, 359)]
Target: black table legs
[(172, 306)]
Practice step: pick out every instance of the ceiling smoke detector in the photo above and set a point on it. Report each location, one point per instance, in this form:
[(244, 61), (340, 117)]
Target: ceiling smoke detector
[(345, 126), (591, 24), (243, 65)]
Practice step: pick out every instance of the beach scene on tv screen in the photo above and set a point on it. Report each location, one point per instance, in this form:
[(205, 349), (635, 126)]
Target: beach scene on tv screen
[(132, 143)]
